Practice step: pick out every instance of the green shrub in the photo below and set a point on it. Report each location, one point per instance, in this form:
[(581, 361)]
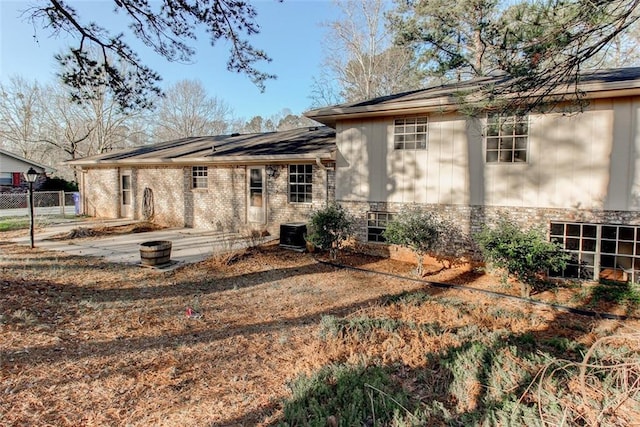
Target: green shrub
[(415, 229), (452, 244), (525, 255), (425, 233), (330, 228)]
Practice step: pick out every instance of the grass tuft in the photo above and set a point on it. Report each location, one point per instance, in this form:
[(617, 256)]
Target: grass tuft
[(346, 395)]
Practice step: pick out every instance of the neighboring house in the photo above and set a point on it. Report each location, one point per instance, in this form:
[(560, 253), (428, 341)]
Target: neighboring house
[(575, 173), (230, 182), (12, 170)]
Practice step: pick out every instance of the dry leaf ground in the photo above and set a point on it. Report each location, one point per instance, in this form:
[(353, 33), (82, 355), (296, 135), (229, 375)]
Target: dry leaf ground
[(84, 342)]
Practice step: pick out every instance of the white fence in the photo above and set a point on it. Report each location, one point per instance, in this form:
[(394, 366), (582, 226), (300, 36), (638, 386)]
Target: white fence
[(44, 203)]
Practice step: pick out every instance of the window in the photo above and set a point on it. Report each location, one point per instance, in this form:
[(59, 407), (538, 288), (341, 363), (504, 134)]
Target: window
[(506, 139), (410, 133), (376, 224), (199, 176), (300, 183), (580, 241), (126, 189), (599, 251), (6, 178)]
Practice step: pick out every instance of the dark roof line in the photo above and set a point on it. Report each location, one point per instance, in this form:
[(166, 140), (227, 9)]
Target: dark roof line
[(317, 141)]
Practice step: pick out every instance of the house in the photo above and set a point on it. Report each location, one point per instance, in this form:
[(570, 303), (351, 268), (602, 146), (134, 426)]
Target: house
[(228, 182), (573, 170), (12, 170)]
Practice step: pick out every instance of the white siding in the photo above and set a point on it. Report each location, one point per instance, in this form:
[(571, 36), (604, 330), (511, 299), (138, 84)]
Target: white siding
[(573, 162), (10, 164)]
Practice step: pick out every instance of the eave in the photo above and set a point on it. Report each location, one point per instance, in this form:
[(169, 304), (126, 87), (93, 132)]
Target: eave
[(447, 104), (211, 161)]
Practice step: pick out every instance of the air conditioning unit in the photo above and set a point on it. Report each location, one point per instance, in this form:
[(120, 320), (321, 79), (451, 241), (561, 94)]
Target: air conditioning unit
[(292, 236)]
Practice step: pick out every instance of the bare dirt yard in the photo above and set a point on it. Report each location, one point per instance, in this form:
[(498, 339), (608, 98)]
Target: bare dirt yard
[(237, 343)]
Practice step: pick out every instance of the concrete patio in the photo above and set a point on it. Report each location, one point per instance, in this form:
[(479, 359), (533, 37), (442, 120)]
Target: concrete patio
[(189, 245)]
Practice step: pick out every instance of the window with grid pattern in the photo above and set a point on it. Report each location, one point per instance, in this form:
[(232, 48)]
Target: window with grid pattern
[(410, 133), (507, 138), (300, 183), (376, 224), (599, 251), (580, 242), (199, 177)]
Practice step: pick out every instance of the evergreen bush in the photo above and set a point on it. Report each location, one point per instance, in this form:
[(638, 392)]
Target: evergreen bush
[(330, 227), (524, 254)]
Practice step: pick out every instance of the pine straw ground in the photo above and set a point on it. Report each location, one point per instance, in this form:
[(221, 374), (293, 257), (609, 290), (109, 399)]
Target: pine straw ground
[(85, 342)]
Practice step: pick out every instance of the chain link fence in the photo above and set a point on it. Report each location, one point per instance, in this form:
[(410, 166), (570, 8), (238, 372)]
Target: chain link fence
[(44, 203)]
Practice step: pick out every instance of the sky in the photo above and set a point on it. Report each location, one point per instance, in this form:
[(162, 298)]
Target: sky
[(291, 34)]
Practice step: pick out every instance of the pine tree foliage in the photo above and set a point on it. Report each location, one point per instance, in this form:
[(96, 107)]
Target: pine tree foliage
[(540, 45)]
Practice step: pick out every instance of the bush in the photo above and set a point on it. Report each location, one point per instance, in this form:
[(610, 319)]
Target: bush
[(330, 228), (415, 229), (425, 233), (58, 184), (524, 255)]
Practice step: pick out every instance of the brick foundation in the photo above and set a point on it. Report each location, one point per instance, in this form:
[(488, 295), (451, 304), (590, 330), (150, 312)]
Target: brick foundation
[(470, 219)]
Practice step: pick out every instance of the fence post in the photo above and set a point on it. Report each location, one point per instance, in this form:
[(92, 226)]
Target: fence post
[(61, 201)]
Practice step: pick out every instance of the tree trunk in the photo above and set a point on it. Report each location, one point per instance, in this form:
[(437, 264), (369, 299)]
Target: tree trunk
[(420, 267)]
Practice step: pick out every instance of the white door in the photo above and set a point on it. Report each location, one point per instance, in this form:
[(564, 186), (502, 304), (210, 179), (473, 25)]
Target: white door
[(257, 201), (126, 195)]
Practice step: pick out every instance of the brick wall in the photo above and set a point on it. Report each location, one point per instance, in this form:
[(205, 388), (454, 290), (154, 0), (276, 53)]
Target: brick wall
[(100, 193), (222, 206), (167, 194), (281, 211), (470, 219)]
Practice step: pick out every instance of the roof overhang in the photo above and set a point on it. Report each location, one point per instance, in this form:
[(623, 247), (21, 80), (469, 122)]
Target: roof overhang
[(451, 103), (211, 161), (36, 165)]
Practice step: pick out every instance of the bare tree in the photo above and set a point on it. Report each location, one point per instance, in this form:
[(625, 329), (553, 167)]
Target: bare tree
[(109, 122), (286, 120), (253, 125), (360, 56), (21, 113), (166, 26), (67, 129), (621, 52), (188, 110)]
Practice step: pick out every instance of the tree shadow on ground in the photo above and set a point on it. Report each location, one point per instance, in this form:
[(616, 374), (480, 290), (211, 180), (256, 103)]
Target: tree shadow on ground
[(491, 377)]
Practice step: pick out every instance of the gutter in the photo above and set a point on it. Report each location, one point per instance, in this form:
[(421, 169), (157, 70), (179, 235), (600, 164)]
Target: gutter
[(218, 160), (444, 104)]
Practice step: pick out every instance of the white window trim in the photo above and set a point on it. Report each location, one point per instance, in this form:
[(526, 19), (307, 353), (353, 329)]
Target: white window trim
[(418, 121), (201, 177), (289, 184), (486, 138), (389, 217)]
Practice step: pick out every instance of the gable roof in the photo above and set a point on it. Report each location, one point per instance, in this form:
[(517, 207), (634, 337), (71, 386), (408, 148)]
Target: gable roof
[(305, 144), (38, 166), (594, 84)]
